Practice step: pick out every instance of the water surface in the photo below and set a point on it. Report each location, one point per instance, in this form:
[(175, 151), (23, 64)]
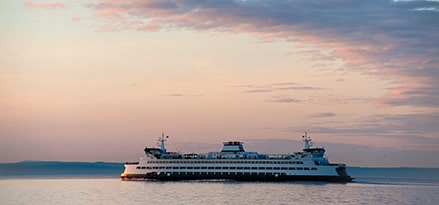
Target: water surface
[(99, 183)]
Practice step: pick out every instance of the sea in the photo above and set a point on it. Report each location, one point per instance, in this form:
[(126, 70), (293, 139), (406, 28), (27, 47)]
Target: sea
[(34, 182)]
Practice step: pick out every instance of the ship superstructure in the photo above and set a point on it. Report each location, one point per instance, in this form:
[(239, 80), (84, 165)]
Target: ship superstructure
[(234, 163)]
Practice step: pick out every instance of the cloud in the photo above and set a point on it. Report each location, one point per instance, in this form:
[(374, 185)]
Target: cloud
[(275, 87), (282, 95), (406, 131), (259, 91), (46, 5), (76, 18), (183, 95), (283, 99), (417, 89), (298, 88), (393, 40), (175, 95), (322, 114)]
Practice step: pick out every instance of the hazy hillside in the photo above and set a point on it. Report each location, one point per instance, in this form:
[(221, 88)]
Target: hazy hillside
[(55, 168)]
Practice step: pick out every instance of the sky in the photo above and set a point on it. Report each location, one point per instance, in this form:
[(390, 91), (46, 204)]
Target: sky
[(98, 80)]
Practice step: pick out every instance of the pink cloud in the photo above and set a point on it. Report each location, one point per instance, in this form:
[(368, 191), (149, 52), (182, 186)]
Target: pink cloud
[(388, 41), (76, 18), (322, 114), (49, 5)]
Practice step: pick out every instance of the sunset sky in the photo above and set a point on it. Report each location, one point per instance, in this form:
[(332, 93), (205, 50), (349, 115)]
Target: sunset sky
[(98, 80)]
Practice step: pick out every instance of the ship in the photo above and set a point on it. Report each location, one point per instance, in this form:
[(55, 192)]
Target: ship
[(234, 163)]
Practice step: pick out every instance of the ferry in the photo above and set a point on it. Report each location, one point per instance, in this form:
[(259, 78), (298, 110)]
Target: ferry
[(234, 163)]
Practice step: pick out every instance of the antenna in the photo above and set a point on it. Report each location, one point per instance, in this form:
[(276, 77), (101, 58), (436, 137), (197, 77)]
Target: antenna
[(307, 141), (162, 143)]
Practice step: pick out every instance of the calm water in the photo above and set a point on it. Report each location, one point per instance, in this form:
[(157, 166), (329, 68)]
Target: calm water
[(36, 182), (64, 190)]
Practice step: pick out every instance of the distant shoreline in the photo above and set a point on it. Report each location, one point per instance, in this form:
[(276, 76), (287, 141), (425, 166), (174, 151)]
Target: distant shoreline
[(59, 168)]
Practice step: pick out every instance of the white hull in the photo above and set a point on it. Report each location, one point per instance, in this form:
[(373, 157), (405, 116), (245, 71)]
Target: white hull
[(180, 169), (236, 164)]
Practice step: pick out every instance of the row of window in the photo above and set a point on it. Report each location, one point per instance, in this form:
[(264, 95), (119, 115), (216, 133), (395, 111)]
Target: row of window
[(232, 168), (223, 162), (226, 173)]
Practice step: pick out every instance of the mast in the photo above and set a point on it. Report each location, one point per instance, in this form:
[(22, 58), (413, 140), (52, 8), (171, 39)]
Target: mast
[(307, 141), (162, 143)]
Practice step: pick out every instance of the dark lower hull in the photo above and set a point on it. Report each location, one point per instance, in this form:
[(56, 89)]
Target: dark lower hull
[(236, 177)]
